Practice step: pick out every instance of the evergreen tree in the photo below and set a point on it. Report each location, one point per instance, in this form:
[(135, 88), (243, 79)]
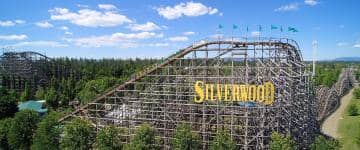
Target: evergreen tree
[(47, 135), (109, 138), (26, 94), (185, 139), (40, 93), (5, 125), (144, 139), (281, 142), (51, 98), (78, 135), (321, 143), (222, 141), (8, 104), (22, 129)]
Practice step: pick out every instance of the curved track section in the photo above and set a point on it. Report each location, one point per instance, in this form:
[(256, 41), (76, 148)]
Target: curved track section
[(20, 68)]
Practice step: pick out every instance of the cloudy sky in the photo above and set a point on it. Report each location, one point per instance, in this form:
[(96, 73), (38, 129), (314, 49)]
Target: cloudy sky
[(143, 28)]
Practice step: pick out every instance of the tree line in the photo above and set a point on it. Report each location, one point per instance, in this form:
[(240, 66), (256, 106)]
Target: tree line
[(88, 79), (27, 130), (327, 73)]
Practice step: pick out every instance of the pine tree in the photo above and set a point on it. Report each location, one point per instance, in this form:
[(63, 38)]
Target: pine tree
[(281, 142), (47, 136), (222, 141), (109, 138), (22, 129), (185, 139), (78, 135), (144, 139), (25, 95)]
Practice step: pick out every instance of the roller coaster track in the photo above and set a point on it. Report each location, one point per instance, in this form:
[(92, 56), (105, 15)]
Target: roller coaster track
[(282, 42), (328, 98)]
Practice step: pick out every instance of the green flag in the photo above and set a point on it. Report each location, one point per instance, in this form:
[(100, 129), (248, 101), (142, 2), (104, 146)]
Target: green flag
[(220, 26), (292, 29), (273, 27), (235, 26)]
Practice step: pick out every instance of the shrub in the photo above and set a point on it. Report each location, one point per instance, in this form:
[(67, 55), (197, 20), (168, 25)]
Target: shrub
[(353, 110), (144, 139), (5, 124), (109, 138), (22, 129), (321, 143), (47, 136), (184, 139), (281, 142), (222, 141), (78, 135)]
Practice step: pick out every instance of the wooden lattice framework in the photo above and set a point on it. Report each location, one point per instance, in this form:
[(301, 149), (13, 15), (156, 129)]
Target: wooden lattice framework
[(163, 95)]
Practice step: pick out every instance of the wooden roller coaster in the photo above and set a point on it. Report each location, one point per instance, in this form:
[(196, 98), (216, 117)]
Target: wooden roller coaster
[(163, 95)]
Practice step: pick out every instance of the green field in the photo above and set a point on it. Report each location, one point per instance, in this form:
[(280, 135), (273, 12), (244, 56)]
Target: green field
[(349, 128)]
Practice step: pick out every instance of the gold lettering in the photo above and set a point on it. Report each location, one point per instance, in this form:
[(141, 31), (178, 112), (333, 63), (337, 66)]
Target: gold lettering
[(244, 92), (260, 95), (212, 92), (270, 93), (199, 97), (219, 91), (264, 94), (235, 92), (252, 93)]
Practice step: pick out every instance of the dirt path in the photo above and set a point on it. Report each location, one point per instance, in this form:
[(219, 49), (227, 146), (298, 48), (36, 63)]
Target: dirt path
[(330, 125)]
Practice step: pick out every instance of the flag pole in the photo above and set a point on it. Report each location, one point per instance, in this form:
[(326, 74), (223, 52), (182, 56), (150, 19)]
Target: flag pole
[(314, 46), (234, 27)]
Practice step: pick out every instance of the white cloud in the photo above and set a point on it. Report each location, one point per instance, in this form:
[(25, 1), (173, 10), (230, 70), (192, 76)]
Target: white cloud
[(188, 33), (13, 37), (148, 26), (44, 24), (65, 28), (311, 2), (255, 33), (341, 44), (191, 9), (158, 44), (89, 18), (178, 39), (68, 33), (164, 27), (289, 7), (357, 46), (20, 21), (40, 44), (107, 6), (116, 39), (82, 6), (8, 23)]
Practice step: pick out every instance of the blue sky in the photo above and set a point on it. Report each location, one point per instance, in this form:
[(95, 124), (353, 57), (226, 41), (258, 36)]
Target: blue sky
[(129, 28)]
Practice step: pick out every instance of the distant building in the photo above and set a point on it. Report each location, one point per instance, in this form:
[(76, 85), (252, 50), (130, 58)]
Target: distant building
[(37, 106)]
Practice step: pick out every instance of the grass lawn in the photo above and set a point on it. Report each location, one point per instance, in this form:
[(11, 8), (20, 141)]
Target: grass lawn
[(349, 128)]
